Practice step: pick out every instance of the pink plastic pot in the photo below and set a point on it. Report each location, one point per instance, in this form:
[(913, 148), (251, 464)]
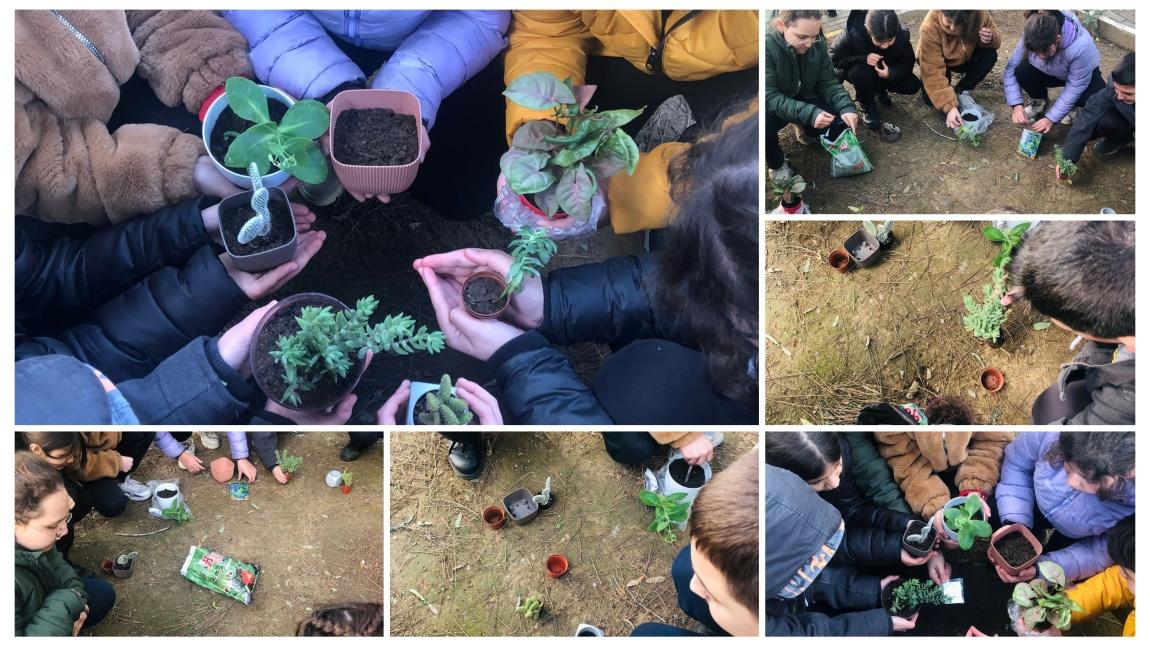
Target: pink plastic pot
[(376, 180)]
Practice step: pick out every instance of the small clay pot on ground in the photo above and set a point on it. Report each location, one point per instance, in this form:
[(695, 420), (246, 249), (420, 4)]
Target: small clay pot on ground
[(1014, 548), (840, 260), (494, 517), (992, 379), (281, 321), (482, 295), (346, 489), (264, 252), (863, 248), (220, 120), (375, 140), (888, 597), (521, 506), (918, 549), (222, 469), (556, 565)]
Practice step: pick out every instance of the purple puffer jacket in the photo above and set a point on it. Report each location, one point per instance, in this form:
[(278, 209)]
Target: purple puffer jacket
[(1074, 62), (237, 444), (433, 52), (1027, 478)]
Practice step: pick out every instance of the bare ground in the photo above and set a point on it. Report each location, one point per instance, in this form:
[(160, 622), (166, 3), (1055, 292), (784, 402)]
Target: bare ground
[(923, 172), (472, 576), (872, 334), (313, 544)]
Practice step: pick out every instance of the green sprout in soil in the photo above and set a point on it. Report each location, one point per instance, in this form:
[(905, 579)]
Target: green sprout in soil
[(670, 512), (1066, 168), (962, 519), (913, 593), (346, 478), (985, 320), (444, 408), (178, 512), (1045, 599), (968, 136), (288, 462), (531, 250)]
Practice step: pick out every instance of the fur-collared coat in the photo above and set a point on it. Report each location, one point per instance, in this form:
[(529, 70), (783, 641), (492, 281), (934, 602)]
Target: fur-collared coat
[(69, 168), (916, 457)]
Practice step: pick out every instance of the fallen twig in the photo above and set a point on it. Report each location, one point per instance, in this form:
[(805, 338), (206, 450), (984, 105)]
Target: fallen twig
[(938, 133), (162, 529)]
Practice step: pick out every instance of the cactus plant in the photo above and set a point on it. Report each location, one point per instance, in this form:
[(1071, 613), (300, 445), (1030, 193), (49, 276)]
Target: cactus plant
[(444, 408)]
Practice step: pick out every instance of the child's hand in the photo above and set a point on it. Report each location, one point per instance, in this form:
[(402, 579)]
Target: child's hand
[(873, 59), (882, 70), (279, 474), (235, 344), (125, 464), (259, 286), (1024, 576), (938, 569), (465, 333), (852, 121), (337, 416), (190, 462), (823, 119), (525, 310), (1043, 125), (898, 624), (974, 632), (953, 118), (1018, 116), (244, 467), (912, 561), (481, 402), (386, 415), (985, 35), (79, 623), (698, 451), (209, 181)]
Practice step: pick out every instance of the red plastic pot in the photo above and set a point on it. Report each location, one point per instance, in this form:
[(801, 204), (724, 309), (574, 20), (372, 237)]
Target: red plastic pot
[(998, 559), (840, 260), (345, 488), (494, 517), (538, 212), (556, 566), (992, 380)]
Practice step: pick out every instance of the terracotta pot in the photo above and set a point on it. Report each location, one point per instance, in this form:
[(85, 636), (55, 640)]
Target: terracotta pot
[(497, 278), (494, 517), (345, 488), (376, 180), (998, 559), (223, 469), (556, 566), (992, 380), (840, 260)]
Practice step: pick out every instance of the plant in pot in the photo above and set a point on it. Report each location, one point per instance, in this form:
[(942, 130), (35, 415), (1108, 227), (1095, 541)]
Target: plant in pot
[(789, 189), (376, 140), (310, 350), (257, 227), (670, 512), (487, 294), (985, 320), (1014, 548), (1043, 602), (437, 405), (964, 520), (288, 463), (345, 478), (968, 136), (880, 232), (904, 597), (1063, 167), (556, 165), (918, 538)]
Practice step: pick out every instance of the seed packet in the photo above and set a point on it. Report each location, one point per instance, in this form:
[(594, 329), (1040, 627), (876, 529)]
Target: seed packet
[(1028, 144), (221, 574), (953, 591), (238, 490)]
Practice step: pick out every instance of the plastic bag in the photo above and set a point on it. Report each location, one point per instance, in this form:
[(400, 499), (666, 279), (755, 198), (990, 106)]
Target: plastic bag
[(662, 483), (515, 212), (847, 156), (221, 574), (168, 501), (975, 119)]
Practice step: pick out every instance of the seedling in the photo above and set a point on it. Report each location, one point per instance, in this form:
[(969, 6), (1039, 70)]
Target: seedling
[(1045, 599), (880, 232), (531, 250), (178, 512), (914, 593), (288, 462), (1066, 168), (794, 184), (961, 519), (985, 320), (346, 477), (968, 136), (444, 408), (289, 145), (670, 512), (529, 608)]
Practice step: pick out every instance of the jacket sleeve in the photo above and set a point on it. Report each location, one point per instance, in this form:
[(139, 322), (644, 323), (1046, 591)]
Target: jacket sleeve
[(238, 445), (858, 512), (1083, 129), (675, 439), (445, 51), (844, 588), (185, 55), (1110, 404), (540, 385), (1015, 492), (76, 171), (925, 492), (1104, 592), (983, 461), (900, 57), (868, 546), (1077, 81), (61, 606), (1082, 559), (168, 445), (869, 623), (544, 41), (779, 104), (604, 301), (1009, 81), (292, 51), (832, 90), (843, 53), (193, 386), (102, 460), (265, 444), (932, 67), (871, 473)]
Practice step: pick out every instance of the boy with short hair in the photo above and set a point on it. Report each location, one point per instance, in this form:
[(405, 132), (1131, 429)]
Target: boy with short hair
[(1107, 116)]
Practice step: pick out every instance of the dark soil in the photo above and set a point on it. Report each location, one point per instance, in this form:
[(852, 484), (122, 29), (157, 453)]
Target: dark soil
[(1016, 549), (165, 493), (484, 296), (282, 230), (678, 471), (916, 528), (985, 597), (229, 122), (326, 393), (375, 137)]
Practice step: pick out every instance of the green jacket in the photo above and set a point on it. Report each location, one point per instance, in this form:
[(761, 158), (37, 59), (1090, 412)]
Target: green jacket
[(793, 81), (49, 595), (871, 474)]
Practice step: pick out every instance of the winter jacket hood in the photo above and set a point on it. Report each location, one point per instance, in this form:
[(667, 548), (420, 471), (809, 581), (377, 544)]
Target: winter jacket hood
[(805, 533), (1074, 62)]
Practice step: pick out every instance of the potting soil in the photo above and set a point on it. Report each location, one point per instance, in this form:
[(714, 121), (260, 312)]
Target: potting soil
[(694, 480), (375, 137), (221, 574), (219, 141), (281, 230), (483, 295), (1015, 548)]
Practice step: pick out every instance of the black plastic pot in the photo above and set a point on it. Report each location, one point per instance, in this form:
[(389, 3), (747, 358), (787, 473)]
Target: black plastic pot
[(521, 506), (863, 248), (888, 596), (915, 527)]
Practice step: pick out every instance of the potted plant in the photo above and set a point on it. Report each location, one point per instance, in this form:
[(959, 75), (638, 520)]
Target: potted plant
[(556, 165), (487, 294), (1043, 602), (437, 405), (671, 511), (840, 260), (521, 506), (881, 232), (242, 127), (918, 538), (863, 248), (1064, 169), (964, 519), (904, 597), (557, 565), (375, 140), (985, 320), (530, 608), (968, 136), (992, 380), (257, 226), (288, 463), (494, 517), (345, 478), (309, 350), (1014, 548)]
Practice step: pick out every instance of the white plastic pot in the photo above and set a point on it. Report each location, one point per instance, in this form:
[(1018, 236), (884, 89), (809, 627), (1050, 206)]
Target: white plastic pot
[(213, 113), (160, 503), (419, 389), (671, 487), (333, 478)]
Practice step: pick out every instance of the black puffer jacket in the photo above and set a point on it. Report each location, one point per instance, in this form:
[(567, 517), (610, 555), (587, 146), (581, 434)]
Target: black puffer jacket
[(853, 45), (874, 534), (609, 302), (122, 299), (1096, 106)]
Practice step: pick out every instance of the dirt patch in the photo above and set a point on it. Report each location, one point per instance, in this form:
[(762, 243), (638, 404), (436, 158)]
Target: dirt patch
[(301, 536), (472, 575), (924, 172), (375, 137), (893, 331)]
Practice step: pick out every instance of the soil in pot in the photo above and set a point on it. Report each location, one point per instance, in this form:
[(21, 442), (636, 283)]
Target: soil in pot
[(281, 232), (918, 548), (165, 493), (421, 407), (229, 122), (678, 471), (494, 517), (327, 391), (484, 296), (1015, 548), (888, 596), (375, 137)]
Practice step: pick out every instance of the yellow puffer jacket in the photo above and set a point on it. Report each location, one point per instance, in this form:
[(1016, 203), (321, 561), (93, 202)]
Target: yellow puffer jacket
[(1103, 592), (703, 45)]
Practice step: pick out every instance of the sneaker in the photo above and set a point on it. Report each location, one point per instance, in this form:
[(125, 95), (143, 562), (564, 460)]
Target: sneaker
[(1107, 146), (782, 173), (1068, 120), (587, 630), (884, 98), (135, 490), (190, 447), (1033, 107), (210, 439), (465, 459), (801, 135), (869, 117)]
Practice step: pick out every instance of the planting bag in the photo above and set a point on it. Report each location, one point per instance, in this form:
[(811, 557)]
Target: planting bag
[(974, 117), (166, 499), (514, 214), (221, 574), (847, 156)]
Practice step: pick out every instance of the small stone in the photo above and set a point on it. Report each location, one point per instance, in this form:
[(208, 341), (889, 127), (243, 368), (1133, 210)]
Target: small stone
[(913, 390)]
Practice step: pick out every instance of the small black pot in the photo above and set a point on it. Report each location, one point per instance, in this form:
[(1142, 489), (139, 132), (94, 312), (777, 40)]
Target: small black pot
[(915, 528), (888, 596)]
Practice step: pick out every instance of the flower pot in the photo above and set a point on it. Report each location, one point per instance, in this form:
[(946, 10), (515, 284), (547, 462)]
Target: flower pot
[(516, 211), (415, 405), (992, 379), (333, 479), (481, 295), (918, 549), (280, 321), (167, 495), (957, 502), (346, 489), (521, 506), (287, 476), (124, 564), (223, 469), (494, 517), (999, 559), (888, 596), (354, 174), (277, 100), (863, 248), (556, 566), (840, 260), (265, 252), (676, 479), (106, 566)]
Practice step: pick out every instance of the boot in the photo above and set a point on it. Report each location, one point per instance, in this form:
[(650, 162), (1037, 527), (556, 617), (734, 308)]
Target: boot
[(465, 459), (1109, 145), (1033, 107), (869, 116), (350, 453)]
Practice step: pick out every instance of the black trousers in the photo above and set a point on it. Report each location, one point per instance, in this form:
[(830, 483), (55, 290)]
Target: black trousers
[(1049, 406), (632, 448), (104, 494), (463, 437), (973, 71), (1113, 126), (868, 84), (775, 156), (1036, 83), (363, 439), (82, 507)]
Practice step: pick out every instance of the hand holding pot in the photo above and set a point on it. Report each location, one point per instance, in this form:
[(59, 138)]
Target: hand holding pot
[(259, 286), (481, 402), (898, 624), (953, 118), (525, 309), (1024, 576), (424, 144), (912, 561), (387, 413), (235, 344), (208, 179), (337, 416), (304, 218), (471, 336), (279, 475), (698, 451)]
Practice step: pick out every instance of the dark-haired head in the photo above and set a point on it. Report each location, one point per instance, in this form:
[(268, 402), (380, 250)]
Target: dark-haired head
[(883, 26), (814, 456), (1120, 544), (801, 28), (1099, 463), (707, 277), (59, 449), (1042, 32), (1123, 76), (1081, 274), (947, 410), (355, 619), (958, 21)]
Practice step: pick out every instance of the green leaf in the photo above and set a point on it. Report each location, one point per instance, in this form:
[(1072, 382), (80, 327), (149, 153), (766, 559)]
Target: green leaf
[(524, 171), (966, 537), (308, 119), (570, 156), (981, 528), (252, 146), (1052, 572), (1019, 229), (663, 524), (532, 136), (623, 146), (993, 234), (1033, 616), (1041, 325), (539, 91), (677, 497), (246, 99), (615, 118), (654, 526), (310, 163), (1023, 595), (649, 498), (575, 192)]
